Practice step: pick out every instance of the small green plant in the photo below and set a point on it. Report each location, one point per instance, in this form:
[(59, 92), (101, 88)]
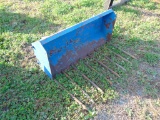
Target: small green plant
[(151, 57), (129, 112), (147, 4)]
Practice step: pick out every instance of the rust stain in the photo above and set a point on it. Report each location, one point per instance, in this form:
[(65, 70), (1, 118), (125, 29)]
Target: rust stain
[(51, 52), (107, 25), (82, 27), (109, 35), (57, 50), (70, 57)]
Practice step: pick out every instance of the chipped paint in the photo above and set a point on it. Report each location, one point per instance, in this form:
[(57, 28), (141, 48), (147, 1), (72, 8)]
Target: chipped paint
[(108, 25), (80, 53)]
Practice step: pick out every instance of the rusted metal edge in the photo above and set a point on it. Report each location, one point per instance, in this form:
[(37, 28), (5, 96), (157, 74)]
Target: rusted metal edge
[(85, 77), (120, 56), (72, 81), (103, 65), (124, 52), (73, 97), (31, 57), (96, 61), (98, 72), (115, 63)]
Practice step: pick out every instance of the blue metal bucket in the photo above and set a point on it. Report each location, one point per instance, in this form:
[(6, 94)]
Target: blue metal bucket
[(57, 52)]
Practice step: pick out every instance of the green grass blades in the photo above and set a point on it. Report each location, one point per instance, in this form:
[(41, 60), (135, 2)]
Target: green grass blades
[(27, 93)]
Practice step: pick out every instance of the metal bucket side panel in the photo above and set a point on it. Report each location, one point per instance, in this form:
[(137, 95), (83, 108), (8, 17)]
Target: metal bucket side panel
[(42, 58)]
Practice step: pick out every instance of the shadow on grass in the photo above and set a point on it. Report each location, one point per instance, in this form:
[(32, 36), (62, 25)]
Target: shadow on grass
[(29, 94), (21, 23), (137, 11), (147, 4), (145, 72)]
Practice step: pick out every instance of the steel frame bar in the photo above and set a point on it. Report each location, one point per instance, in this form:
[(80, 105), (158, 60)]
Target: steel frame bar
[(120, 56), (73, 97), (125, 52), (85, 77), (115, 63), (98, 73), (79, 87)]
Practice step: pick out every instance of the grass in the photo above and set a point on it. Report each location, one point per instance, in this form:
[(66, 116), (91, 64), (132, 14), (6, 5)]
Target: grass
[(27, 93), (151, 57)]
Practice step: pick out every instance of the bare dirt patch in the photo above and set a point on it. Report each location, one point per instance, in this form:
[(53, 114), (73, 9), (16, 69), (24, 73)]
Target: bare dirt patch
[(136, 103)]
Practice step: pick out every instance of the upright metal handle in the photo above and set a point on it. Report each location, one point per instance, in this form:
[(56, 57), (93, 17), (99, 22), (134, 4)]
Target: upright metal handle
[(119, 3), (111, 3)]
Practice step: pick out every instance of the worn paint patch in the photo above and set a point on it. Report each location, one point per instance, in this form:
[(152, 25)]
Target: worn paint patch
[(108, 25), (73, 56)]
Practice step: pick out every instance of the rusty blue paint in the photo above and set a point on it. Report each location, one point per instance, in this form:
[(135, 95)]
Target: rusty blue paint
[(57, 52)]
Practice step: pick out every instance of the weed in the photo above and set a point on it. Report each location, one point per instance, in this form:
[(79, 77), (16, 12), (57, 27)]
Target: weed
[(129, 112), (151, 58)]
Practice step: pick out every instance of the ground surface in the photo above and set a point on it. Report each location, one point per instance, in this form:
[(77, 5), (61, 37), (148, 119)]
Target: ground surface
[(27, 93)]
